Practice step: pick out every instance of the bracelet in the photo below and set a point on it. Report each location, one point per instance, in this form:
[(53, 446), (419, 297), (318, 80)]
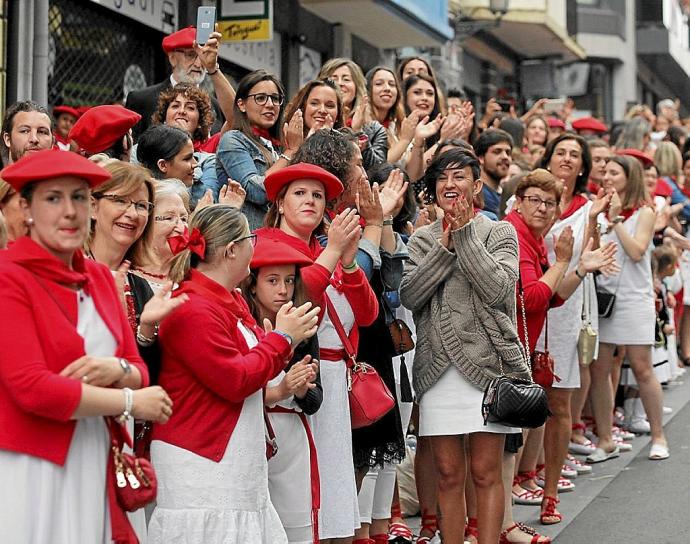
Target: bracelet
[(285, 335), (284, 156), (577, 273), (351, 266), (214, 71), (388, 222), (129, 401), (145, 340), (125, 366)]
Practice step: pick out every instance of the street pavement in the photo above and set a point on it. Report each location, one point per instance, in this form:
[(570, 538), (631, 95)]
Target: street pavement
[(629, 500)]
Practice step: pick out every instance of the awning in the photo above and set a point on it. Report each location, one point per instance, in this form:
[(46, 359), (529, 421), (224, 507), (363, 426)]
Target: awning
[(389, 23)]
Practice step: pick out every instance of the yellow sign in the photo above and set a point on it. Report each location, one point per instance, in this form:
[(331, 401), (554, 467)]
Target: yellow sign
[(251, 30)]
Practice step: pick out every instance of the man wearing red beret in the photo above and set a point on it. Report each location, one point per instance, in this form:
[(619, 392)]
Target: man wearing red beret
[(190, 63), (27, 127)]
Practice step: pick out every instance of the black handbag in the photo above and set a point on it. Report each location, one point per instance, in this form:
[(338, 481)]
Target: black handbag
[(515, 402), (605, 303)]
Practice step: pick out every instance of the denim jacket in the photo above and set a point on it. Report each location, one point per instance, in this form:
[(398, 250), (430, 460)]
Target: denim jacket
[(240, 159)]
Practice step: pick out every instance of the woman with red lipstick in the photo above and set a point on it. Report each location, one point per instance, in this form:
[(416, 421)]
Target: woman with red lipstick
[(348, 76), (64, 367), (335, 282), (258, 144)]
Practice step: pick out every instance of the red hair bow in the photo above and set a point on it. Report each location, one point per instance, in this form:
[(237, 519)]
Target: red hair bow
[(195, 242)]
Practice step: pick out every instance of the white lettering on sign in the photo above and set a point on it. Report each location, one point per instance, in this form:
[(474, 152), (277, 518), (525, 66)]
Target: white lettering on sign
[(158, 14)]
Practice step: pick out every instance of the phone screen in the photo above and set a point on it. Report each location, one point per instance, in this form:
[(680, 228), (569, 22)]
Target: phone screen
[(205, 23)]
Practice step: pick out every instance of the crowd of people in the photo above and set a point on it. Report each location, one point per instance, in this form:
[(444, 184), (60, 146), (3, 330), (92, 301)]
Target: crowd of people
[(216, 278)]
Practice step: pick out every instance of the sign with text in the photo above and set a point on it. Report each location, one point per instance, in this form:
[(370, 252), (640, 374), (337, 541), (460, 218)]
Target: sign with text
[(158, 14), (245, 20)]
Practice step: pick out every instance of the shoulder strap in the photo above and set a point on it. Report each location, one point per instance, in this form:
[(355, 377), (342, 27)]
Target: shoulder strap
[(338, 325)]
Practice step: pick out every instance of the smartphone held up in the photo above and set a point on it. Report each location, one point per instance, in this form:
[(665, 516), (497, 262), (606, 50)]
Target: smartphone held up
[(205, 23)]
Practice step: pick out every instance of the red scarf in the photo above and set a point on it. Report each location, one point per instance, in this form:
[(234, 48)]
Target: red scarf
[(263, 133), (210, 145), (575, 204), (526, 237), (627, 214), (60, 138), (27, 253)]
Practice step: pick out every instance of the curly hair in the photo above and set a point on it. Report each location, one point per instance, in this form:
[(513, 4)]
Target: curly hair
[(190, 92)]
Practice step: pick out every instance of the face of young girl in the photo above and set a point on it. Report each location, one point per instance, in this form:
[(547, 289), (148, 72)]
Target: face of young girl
[(275, 286)]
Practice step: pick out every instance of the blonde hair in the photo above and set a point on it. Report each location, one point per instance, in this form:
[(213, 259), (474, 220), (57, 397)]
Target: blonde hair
[(6, 191), (219, 224), (3, 233), (332, 65), (668, 160), (141, 250), (125, 178)]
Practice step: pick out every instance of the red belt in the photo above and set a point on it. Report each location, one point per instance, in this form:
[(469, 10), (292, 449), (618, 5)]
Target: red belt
[(313, 465), (328, 354)]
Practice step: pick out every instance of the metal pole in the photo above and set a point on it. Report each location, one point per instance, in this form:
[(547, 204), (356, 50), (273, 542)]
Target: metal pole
[(39, 84)]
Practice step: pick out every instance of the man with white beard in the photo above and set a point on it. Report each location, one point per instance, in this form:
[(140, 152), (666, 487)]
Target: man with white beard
[(190, 64)]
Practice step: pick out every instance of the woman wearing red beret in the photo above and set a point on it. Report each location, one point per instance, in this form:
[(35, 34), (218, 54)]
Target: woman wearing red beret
[(299, 194), (64, 367), (293, 472), (211, 458)]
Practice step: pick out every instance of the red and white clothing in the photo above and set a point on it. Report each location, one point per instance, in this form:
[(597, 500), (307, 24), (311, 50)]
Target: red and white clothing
[(211, 456)]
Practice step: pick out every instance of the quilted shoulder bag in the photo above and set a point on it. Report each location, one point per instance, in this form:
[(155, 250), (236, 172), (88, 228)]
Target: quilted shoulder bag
[(588, 337), (515, 402), (370, 398), (134, 477)]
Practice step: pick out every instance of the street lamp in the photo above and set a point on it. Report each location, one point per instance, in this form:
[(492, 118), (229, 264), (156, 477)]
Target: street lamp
[(465, 26)]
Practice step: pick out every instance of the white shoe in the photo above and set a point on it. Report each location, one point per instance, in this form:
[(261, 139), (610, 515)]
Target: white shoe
[(667, 410), (568, 472), (576, 464), (639, 426), (581, 449), (599, 455), (658, 452)]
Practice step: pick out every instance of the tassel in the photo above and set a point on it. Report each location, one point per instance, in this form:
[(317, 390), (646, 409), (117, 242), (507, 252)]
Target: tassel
[(405, 387)]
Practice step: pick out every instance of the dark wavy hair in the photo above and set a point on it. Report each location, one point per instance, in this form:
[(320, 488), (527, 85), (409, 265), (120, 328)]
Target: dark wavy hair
[(581, 181), (453, 158), (190, 92), (299, 102)]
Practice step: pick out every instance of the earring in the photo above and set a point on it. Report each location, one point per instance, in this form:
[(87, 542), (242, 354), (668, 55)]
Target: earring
[(280, 210), (29, 221)]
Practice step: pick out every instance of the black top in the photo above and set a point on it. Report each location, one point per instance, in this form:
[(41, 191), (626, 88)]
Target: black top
[(314, 397)]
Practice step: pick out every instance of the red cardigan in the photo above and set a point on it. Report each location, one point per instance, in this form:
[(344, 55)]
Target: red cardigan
[(207, 368), (38, 335)]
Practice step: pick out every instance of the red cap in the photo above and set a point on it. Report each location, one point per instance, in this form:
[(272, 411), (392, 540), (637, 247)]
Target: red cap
[(51, 164), (83, 109), (554, 122), (645, 159), (590, 123), (100, 127), (270, 252), (275, 181), (59, 110), (662, 188), (182, 39)]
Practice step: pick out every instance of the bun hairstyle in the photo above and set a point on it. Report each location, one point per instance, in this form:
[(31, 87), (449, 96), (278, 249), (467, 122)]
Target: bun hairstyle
[(219, 224)]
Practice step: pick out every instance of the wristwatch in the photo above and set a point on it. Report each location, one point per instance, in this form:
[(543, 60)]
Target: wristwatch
[(124, 365)]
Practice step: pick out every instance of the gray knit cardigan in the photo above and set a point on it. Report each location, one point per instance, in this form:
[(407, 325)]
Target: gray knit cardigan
[(464, 303)]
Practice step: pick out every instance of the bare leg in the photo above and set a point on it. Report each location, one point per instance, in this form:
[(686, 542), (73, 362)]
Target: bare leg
[(685, 334), (640, 358), (426, 478), (577, 404), (449, 455), (534, 444), (556, 438), (602, 396), (486, 460)]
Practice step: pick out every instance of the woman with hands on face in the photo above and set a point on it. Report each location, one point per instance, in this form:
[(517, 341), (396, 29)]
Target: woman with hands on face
[(300, 193), (216, 379), (65, 367), (296, 392), (320, 106)]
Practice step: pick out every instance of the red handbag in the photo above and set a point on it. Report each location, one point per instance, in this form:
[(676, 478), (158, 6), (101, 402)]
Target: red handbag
[(370, 398), (134, 477)]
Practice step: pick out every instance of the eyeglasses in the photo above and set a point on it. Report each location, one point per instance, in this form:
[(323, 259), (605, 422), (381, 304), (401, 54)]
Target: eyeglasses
[(250, 237), (189, 54), (142, 207), (171, 219), (537, 202), (262, 98)]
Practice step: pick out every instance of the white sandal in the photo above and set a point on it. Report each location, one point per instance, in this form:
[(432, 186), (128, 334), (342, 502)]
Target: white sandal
[(658, 452)]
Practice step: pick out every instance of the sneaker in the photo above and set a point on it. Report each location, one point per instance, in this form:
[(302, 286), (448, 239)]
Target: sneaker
[(579, 466), (639, 426), (568, 472), (667, 410)]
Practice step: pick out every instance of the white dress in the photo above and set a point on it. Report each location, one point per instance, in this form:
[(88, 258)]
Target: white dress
[(332, 429), (43, 502), (633, 318), (203, 502), (565, 321)]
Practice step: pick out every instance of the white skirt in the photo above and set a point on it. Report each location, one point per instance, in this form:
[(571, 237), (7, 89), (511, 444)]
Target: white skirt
[(43, 502), (332, 430), (453, 406), (631, 323), (203, 502)]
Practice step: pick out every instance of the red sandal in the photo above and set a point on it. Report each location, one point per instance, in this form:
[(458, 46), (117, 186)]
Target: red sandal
[(429, 524), (472, 529), (525, 529), (398, 531), (549, 515)]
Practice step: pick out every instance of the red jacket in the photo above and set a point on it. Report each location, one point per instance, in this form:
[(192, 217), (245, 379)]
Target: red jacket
[(208, 369), (38, 335)]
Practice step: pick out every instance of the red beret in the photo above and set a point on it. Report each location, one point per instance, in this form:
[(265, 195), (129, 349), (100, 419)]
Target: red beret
[(83, 109), (554, 122), (59, 110), (645, 159), (51, 164), (275, 181), (662, 188), (182, 39), (270, 252), (101, 126), (590, 123)]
